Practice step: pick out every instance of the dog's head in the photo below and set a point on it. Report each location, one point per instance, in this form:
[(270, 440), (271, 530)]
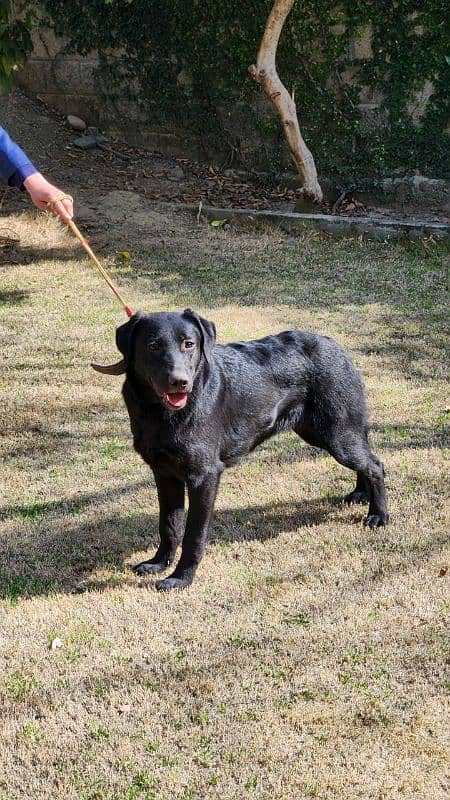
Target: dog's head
[(164, 350)]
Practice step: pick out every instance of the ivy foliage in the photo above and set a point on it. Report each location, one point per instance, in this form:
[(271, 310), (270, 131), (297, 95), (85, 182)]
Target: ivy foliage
[(186, 63), (15, 42)]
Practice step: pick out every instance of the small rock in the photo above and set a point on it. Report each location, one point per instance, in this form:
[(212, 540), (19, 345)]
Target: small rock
[(90, 141), (86, 142), (76, 123), (56, 643)]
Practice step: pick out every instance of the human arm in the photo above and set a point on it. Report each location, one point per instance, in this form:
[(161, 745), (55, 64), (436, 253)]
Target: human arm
[(17, 170), (15, 166)]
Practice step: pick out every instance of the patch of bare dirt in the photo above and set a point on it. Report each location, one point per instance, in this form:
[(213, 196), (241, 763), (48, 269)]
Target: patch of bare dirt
[(115, 167)]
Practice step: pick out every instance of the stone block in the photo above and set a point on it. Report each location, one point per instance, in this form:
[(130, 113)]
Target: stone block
[(372, 116), (88, 76), (430, 193), (361, 46), (45, 43), (417, 106), (350, 76), (36, 76), (370, 95), (53, 100), (339, 19), (338, 29), (122, 110), (66, 74)]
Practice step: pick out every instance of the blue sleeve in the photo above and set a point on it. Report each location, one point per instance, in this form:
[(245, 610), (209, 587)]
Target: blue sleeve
[(15, 166)]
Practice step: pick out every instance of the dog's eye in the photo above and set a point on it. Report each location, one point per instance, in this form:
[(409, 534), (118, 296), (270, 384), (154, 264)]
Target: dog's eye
[(188, 344), (154, 344)]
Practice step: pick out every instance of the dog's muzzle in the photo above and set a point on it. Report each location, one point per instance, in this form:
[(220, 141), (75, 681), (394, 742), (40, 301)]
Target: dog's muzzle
[(172, 399)]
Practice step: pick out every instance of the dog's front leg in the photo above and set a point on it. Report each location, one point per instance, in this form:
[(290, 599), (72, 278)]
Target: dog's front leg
[(202, 495), (171, 518)]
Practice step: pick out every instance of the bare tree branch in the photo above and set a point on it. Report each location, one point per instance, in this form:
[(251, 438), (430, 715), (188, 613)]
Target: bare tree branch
[(265, 73)]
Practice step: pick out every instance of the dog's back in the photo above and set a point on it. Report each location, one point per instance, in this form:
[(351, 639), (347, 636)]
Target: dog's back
[(293, 368)]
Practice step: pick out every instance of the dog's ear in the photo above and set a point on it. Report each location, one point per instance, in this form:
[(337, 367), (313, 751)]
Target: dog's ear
[(207, 331), (125, 335)]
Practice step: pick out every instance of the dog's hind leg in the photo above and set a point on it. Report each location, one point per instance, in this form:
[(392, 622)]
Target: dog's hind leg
[(171, 520), (361, 492), (353, 452)]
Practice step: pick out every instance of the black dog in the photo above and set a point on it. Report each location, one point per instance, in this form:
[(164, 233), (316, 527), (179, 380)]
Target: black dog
[(196, 407)]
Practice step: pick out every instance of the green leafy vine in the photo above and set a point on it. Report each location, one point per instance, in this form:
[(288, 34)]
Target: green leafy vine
[(15, 41), (185, 63)]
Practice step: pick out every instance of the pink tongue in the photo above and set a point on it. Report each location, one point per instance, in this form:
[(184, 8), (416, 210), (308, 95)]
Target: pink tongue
[(178, 400)]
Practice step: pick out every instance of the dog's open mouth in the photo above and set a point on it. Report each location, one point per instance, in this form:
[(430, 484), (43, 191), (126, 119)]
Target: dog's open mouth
[(172, 400), (175, 399)]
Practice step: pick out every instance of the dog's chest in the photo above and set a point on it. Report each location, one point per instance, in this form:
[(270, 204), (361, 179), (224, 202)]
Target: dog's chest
[(167, 462), (159, 449), (171, 451)]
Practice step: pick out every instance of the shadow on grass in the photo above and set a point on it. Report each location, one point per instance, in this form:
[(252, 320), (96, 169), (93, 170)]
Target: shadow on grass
[(414, 342), (18, 255), (236, 268), (418, 437), (391, 438), (73, 505), (14, 297), (54, 448), (55, 554), (57, 557), (397, 294)]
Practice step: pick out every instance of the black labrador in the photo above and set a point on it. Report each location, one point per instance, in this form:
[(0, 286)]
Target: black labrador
[(197, 407)]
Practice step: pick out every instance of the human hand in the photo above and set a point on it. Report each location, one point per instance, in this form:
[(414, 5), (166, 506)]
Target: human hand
[(45, 196)]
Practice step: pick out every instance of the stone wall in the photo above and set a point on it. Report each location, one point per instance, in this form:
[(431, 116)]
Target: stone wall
[(69, 83), (64, 81)]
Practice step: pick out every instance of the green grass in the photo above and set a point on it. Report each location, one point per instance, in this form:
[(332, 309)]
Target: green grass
[(308, 658)]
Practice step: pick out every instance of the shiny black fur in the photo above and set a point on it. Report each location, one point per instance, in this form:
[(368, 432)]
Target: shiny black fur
[(239, 395)]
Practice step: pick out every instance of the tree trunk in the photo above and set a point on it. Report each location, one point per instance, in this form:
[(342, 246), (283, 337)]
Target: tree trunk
[(265, 73)]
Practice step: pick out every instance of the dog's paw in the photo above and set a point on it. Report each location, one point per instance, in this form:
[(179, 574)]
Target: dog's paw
[(150, 567), (356, 498), (376, 520), (168, 584)]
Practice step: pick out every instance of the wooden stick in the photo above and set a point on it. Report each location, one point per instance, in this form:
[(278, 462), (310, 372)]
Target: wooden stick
[(100, 268)]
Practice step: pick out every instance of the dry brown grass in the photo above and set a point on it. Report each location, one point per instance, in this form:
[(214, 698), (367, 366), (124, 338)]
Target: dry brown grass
[(308, 658)]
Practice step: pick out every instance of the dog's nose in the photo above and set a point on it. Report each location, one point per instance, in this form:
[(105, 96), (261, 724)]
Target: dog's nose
[(180, 384)]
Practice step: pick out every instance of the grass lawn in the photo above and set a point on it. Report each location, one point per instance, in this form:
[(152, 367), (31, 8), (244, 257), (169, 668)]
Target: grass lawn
[(307, 660)]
